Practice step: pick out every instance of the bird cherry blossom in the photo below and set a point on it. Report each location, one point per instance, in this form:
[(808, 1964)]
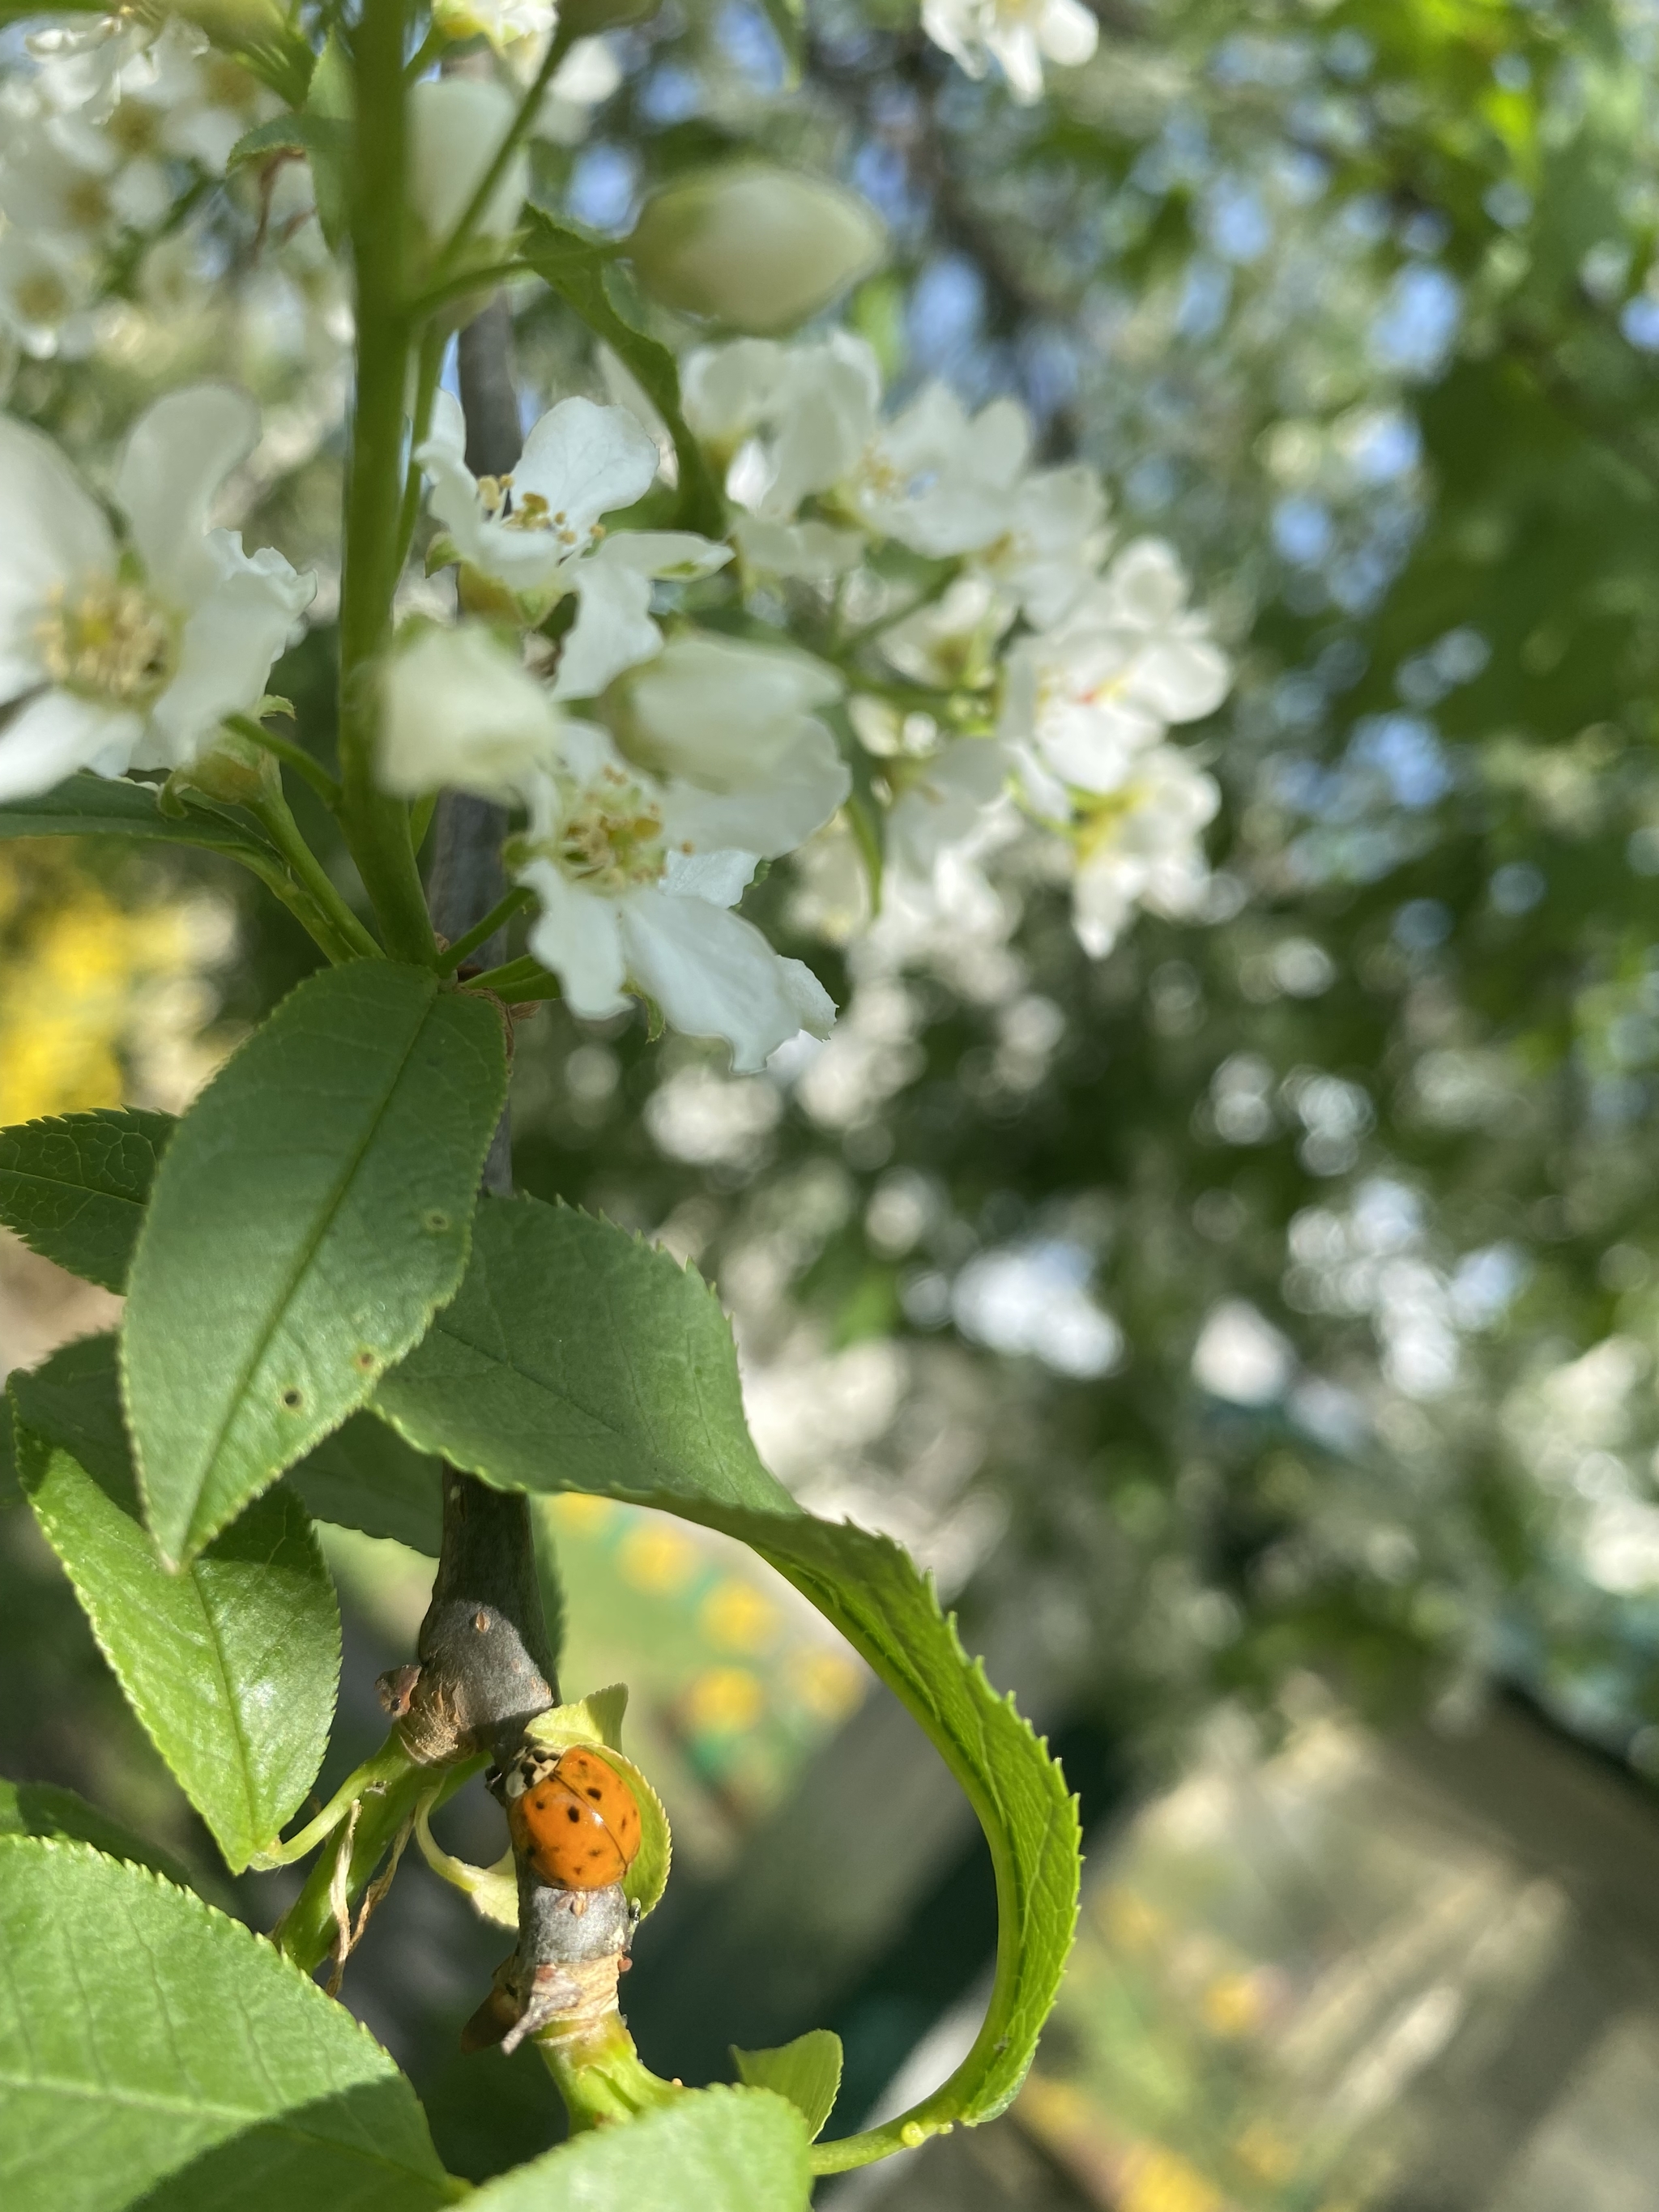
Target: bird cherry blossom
[(131, 654)]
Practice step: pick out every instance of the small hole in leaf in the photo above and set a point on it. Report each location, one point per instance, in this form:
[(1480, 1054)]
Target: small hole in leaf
[(435, 1219), (365, 1361), (294, 1399)]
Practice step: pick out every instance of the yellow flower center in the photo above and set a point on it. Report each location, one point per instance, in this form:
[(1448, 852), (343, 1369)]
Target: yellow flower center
[(43, 299), (528, 510), (106, 640), (612, 837)]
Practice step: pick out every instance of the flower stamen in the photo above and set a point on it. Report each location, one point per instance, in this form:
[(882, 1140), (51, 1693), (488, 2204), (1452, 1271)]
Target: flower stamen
[(106, 640)]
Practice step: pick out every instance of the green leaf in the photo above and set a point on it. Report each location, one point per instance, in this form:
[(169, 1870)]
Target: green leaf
[(290, 134), (807, 2071), (711, 2150), (40, 1808), (90, 805), (231, 1664), (74, 1188), (309, 1215), (365, 1476), (575, 1356), (154, 2052), (581, 269)]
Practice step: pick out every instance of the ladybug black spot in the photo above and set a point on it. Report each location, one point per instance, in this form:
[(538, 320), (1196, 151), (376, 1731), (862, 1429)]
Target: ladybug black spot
[(596, 1794), (540, 1804), (574, 1813)]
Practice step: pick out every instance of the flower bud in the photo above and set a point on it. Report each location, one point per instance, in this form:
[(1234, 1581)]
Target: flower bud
[(236, 773), (755, 247), (457, 124)]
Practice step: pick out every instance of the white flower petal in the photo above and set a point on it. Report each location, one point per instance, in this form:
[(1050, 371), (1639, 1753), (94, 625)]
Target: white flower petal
[(679, 554), (225, 656), (723, 713), (51, 532), (56, 733), (613, 629), (808, 782), (1182, 678), (178, 454), (721, 877), (587, 461), (714, 974), (578, 935)]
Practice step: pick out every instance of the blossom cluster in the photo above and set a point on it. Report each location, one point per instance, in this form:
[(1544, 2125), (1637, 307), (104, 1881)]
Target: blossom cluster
[(100, 138), (1019, 659), (908, 601), (908, 625)]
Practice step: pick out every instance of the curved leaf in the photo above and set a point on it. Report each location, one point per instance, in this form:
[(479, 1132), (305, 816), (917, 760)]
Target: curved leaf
[(575, 1356), (309, 1215), (365, 1476), (232, 1665), (153, 2051), (711, 2150), (75, 1187)]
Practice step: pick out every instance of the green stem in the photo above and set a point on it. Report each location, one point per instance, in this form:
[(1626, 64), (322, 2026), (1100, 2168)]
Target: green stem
[(474, 280), (558, 46), (272, 813), (307, 1931), (501, 912), (377, 825), (430, 369), (295, 757), (505, 979), (278, 881), (601, 2075)]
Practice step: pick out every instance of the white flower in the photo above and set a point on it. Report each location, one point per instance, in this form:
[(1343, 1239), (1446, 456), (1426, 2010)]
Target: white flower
[(86, 197), (47, 288), (629, 902), (1019, 33), (731, 728), (1141, 846), (945, 804), (1128, 661), (934, 477), (456, 126), (726, 391), (538, 530), (458, 710), (132, 661), (951, 642), (1050, 549)]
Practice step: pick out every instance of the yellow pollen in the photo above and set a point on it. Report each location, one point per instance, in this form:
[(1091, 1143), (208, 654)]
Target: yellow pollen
[(42, 298), (86, 205), (106, 640), (134, 127), (612, 837)]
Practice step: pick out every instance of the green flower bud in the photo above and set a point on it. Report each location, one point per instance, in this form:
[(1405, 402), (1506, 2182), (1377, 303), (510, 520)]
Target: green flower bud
[(753, 246)]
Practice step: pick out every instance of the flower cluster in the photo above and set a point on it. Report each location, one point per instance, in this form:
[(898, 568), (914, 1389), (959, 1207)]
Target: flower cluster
[(977, 655), (994, 652), (100, 138), (647, 819)]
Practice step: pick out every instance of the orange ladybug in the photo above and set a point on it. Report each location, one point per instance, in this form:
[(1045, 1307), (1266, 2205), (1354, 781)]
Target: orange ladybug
[(575, 1819)]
